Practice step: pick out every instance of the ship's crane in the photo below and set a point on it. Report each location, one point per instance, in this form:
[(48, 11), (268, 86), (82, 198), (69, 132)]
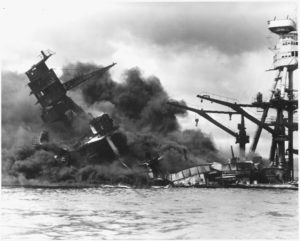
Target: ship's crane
[(241, 137), (72, 83), (282, 100), (278, 135), (278, 132), (238, 108)]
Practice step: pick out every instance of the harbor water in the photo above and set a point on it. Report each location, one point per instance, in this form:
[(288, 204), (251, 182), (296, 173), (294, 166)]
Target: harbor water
[(173, 213)]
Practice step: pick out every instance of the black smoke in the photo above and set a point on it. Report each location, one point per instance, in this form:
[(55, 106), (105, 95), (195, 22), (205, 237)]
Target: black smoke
[(138, 106), (139, 100)]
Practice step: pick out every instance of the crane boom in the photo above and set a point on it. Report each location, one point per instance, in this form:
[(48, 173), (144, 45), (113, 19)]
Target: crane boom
[(238, 109), (206, 116), (241, 136), (72, 83)]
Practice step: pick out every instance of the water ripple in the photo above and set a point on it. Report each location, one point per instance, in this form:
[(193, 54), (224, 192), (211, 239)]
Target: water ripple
[(108, 213)]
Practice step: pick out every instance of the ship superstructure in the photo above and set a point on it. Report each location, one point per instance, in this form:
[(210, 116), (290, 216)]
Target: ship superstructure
[(51, 93), (283, 101), (286, 50), (282, 98), (101, 142)]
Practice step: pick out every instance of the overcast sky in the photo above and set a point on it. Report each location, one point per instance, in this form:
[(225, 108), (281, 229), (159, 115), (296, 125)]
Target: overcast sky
[(218, 47)]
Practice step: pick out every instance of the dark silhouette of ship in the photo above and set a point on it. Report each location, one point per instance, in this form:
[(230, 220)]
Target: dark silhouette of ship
[(51, 93), (103, 141)]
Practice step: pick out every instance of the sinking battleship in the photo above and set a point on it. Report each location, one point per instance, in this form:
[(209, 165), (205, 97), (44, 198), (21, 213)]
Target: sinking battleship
[(102, 139), (102, 144)]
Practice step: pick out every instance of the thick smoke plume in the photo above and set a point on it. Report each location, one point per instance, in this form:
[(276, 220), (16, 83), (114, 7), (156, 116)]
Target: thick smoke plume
[(140, 101), (138, 105)]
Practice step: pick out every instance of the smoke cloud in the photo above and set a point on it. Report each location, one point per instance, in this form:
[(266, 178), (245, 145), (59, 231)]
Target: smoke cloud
[(148, 128), (138, 100)]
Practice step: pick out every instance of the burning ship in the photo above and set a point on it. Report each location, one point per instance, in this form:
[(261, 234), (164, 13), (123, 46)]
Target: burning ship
[(101, 144), (56, 106), (103, 139)]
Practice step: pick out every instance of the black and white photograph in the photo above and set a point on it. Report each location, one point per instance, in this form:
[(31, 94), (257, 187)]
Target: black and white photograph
[(149, 120)]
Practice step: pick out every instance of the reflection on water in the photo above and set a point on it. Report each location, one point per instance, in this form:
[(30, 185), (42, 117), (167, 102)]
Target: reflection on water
[(108, 213)]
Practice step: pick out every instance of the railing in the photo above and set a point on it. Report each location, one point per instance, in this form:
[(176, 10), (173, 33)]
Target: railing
[(276, 58)]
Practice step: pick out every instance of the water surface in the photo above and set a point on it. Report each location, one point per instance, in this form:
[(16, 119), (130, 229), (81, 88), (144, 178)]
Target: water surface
[(175, 213)]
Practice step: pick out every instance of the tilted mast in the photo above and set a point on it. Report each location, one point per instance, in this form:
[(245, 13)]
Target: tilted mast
[(51, 93)]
